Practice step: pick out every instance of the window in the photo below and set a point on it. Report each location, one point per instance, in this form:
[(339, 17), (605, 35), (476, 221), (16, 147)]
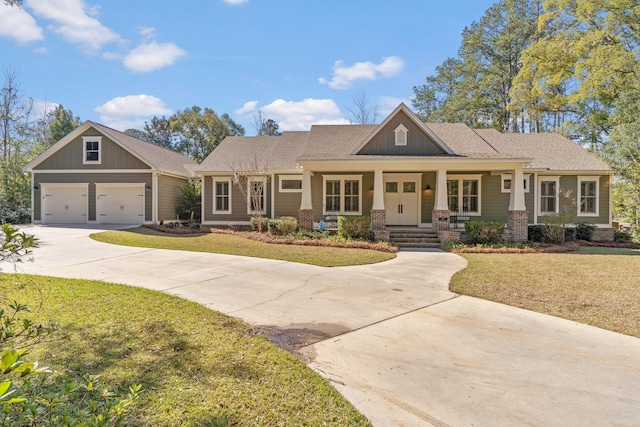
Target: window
[(342, 194), (290, 184), (222, 195), (256, 192), (506, 183), (548, 189), (401, 134), (588, 195), (91, 149), (463, 193)]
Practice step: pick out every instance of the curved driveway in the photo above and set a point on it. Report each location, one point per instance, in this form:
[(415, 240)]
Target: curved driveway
[(390, 336)]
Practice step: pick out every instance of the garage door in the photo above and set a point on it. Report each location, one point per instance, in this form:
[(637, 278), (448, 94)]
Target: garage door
[(65, 204), (120, 204)]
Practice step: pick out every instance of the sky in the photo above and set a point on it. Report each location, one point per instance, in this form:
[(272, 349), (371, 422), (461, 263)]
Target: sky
[(300, 62)]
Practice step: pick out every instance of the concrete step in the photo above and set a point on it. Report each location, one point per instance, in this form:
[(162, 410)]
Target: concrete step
[(415, 240), (418, 245)]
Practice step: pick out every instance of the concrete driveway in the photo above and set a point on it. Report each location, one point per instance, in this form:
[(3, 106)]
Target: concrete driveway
[(391, 337)]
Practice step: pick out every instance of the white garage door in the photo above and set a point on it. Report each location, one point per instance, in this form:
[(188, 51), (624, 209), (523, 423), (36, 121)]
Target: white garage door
[(64, 204), (120, 204)]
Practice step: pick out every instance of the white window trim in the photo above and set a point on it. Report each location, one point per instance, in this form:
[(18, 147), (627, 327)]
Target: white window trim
[(215, 194), (289, 178), (251, 179), (86, 139), (342, 179), (541, 179), (397, 130), (595, 179), (504, 176), (460, 178)]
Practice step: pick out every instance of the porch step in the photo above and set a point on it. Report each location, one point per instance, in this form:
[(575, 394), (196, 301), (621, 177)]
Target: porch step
[(414, 238)]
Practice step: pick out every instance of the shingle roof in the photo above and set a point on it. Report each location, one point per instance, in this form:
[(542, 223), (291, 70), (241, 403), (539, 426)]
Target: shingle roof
[(158, 157), (549, 150), (338, 142)]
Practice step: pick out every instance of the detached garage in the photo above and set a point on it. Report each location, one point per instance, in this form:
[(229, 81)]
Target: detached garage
[(97, 175)]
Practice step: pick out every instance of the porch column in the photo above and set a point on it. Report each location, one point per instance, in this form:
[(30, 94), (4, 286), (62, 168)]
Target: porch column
[(440, 213), (305, 213), (378, 214), (517, 220)]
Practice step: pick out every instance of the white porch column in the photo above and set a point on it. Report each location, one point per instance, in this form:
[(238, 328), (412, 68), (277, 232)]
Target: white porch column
[(442, 202), (306, 190), (378, 190), (516, 199)]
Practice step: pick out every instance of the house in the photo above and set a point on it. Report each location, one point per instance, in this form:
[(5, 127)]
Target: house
[(99, 175), (404, 172)]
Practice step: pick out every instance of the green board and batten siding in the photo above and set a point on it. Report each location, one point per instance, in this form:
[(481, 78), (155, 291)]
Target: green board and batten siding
[(70, 156), (286, 203)]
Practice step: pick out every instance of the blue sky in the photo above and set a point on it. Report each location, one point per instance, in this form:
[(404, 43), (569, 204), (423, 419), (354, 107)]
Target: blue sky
[(300, 61)]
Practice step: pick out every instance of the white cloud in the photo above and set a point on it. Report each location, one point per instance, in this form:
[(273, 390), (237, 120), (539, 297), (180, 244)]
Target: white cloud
[(152, 56), (131, 111), (18, 25), (147, 33), (248, 107), (235, 2), (75, 21), (42, 107), (300, 115), (344, 76)]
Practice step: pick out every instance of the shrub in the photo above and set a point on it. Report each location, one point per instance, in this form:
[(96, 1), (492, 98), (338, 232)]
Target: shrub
[(282, 226), (584, 231), (535, 233), (190, 201), (254, 223), (621, 237), (14, 215), (354, 227), (482, 232)]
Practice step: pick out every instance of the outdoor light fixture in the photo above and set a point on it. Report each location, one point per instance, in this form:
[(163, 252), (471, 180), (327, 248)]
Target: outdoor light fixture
[(428, 187), (36, 187), (147, 187)]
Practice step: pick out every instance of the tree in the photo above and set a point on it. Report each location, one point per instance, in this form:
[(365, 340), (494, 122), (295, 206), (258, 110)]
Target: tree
[(200, 131), (252, 180), (362, 112), (137, 133), (265, 126), (15, 112), (475, 87), (158, 131), (61, 123)]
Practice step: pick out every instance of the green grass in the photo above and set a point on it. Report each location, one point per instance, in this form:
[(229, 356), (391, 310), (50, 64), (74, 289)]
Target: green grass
[(197, 367), (596, 286), (234, 245)]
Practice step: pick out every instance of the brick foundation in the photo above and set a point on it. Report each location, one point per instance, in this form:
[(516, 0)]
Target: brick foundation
[(517, 226), (380, 235), (603, 235), (305, 219), (448, 236), (378, 219), (440, 220)]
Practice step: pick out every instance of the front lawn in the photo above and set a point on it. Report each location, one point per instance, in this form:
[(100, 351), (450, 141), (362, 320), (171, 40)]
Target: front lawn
[(197, 367), (235, 245), (596, 286)]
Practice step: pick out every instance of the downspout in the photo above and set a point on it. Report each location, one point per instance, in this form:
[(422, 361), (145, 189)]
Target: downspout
[(273, 194), (202, 198), (33, 198), (154, 194)]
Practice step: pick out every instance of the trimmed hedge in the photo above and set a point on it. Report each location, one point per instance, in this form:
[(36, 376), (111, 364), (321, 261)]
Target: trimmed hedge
[(354, 227), (584, 231), (283, 225), (484, 232)]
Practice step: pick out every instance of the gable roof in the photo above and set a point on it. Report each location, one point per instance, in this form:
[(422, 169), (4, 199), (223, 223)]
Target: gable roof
[(158, 158), (412, 116), (542, 151)]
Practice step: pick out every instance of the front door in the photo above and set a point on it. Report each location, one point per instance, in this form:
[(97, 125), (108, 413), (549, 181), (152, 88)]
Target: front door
[(401, 198)]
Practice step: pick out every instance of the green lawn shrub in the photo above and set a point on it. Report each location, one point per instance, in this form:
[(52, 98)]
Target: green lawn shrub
[(354, 227), (584, 231), (484, 232), (283, 225)]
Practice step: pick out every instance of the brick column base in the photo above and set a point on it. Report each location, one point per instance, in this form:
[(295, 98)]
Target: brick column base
[(378, 219), (305, 219), (517, 224), (440, 220)]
